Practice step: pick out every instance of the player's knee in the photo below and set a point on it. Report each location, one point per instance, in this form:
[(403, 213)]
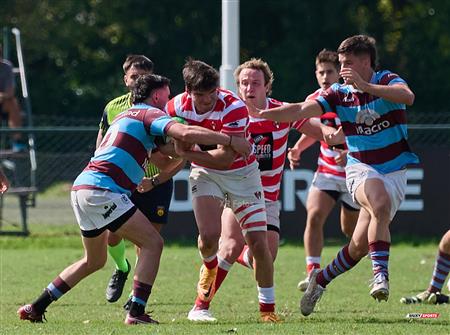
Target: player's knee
[(208, 241), (257, 242), (231, 248), (315, 218), (94, 264), (382, 211)]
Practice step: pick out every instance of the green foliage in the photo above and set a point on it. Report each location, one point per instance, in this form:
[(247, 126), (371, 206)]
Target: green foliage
[(346, 307), (74, 49)]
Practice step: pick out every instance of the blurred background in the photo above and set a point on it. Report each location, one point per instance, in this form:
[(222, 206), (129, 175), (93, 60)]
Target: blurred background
[(73, 53)]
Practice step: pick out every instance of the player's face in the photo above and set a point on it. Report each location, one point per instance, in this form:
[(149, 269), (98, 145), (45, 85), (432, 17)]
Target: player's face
[(161, 97), (360, 63), (326, 75), (252, 87), (204, 101), (132, 74)]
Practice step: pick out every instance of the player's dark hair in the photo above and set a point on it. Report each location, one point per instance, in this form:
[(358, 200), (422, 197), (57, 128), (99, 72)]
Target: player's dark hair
[(360, 45), (199, 76), (328, 56), (145, 85), (138, 61)]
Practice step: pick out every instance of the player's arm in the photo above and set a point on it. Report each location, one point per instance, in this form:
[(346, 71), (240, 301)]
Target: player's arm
[(288, 112), (220, 159), (200, 135), (168, 166), (397, 92)]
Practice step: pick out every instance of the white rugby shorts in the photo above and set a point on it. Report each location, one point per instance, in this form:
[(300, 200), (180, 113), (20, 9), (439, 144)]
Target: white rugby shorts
[(241, 188), (394, 182)]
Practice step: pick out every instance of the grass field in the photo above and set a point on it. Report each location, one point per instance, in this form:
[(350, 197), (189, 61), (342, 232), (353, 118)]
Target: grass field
[(28, 264)]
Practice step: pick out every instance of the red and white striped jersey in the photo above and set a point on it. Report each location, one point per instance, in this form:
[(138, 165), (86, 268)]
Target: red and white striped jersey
[(326, 162), (229, 116), (270, 140)]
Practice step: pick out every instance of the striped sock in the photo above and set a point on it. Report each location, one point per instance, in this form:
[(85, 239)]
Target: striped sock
[(55, 290), (141, 292), (342, 263), (58, 288), (440, 272), (266, 297), (379, 254)]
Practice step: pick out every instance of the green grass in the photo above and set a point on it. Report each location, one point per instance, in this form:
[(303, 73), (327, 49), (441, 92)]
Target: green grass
[(28, 264)]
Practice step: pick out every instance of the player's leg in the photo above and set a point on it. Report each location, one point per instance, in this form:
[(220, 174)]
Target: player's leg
[(318, 206), (116, 249), (374, 198), (155, 206), (93, 260), (273, 235), (349, 217), (345, 260), (434, 295), (230, 246)]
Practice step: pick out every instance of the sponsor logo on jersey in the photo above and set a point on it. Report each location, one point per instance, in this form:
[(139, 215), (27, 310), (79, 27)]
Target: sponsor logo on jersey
[(109, 211), (368, 118)]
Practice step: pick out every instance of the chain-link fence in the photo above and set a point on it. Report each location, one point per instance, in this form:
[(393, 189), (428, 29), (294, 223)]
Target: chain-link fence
[(63, 146)]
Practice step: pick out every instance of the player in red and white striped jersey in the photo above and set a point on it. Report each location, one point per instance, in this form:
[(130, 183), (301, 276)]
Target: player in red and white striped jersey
[(217, 175), (328, 185), (254, 80)]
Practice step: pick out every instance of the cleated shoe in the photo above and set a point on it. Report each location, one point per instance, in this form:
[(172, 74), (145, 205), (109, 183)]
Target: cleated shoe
[(312, 294), (270, 317), (116, 284), (380, 288), (27, 312), (303, 284), (205, 286), (140, 319), (200, 315), (426, 297), (442, 298), (127, 305)]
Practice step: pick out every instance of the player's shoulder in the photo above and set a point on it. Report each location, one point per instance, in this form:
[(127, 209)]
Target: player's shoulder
[(228, 97), (272, 103), (386, 77)]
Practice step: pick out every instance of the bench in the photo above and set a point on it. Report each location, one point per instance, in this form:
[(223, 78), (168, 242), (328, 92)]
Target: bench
[(27, 198)]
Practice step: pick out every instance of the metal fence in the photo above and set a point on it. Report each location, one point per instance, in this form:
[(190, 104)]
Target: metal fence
[(63, 150)]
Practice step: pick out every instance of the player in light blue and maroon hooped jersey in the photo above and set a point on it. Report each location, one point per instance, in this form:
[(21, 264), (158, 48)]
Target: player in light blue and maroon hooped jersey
[(100, 199), (371, 106)]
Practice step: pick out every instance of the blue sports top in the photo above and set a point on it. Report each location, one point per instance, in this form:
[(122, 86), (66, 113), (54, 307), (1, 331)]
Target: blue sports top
[(375, 129), (120, 161)]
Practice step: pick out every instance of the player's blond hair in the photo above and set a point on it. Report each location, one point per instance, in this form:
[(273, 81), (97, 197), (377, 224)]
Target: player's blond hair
[(256, 64)]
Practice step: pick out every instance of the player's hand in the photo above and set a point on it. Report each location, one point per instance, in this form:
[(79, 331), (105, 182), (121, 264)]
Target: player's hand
[(335, 138), (294, 157), (241, 146), (351, 77), (182, 147), (341, 157), (145, 185)]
